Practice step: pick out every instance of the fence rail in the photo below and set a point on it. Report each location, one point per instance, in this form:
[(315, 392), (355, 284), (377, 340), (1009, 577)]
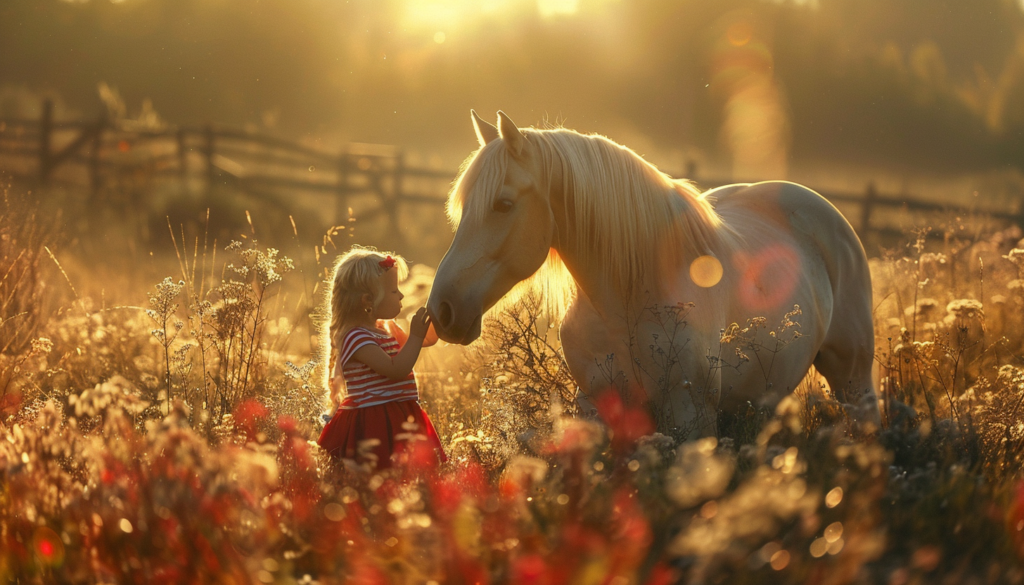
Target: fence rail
[(267, 166)]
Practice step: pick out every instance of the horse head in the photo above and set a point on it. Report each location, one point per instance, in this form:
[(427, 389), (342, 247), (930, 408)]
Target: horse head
[(505, 228)]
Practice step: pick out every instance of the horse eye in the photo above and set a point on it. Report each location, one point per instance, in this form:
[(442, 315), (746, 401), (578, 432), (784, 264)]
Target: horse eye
[(502, 205)]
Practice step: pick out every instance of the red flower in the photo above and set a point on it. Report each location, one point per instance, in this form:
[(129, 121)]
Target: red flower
[(288, 424), (530, 568), (387, 263), (10, 403), (247, 414), (626, 424)]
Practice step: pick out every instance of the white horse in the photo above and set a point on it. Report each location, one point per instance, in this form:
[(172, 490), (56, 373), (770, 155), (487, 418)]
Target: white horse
[(648, 276)]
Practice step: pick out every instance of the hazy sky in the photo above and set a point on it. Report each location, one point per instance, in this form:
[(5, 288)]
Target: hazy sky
[(755, 86)]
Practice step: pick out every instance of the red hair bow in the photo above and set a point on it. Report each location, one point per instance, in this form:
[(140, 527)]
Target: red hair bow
[(387, 263)]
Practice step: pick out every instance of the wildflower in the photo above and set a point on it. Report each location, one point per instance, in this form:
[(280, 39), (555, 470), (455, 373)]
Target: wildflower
[(247, 415), (626, 425)]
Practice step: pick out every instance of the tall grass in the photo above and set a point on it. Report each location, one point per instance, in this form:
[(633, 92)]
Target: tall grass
[(24, 298), (173, 442)]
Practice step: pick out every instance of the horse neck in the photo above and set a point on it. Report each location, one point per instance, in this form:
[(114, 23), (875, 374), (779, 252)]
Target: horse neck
[(690, 230), (589, 271)]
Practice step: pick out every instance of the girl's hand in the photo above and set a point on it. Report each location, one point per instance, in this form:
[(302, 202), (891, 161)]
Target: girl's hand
[(419, 323)]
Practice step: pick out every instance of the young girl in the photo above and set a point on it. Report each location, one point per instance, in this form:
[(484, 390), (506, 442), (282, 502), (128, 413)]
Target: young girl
[(372, 360)]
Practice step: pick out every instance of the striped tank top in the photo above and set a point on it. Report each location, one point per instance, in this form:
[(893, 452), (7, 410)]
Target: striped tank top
[(365, 387)]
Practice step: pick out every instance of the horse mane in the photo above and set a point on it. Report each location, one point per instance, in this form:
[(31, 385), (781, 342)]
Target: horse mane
[(639, 220)]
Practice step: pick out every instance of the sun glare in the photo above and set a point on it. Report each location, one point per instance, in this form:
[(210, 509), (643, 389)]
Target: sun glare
[(550, 8), (448, 14)]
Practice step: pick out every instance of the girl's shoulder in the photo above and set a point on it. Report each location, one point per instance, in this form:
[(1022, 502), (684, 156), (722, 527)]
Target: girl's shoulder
[(361, 334), (356, 338)]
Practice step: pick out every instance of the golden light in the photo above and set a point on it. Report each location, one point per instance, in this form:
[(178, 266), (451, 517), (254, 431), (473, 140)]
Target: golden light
[(550, 8), (439, 37), (450, 14), (437, 14), (706, 271), (756, 123)]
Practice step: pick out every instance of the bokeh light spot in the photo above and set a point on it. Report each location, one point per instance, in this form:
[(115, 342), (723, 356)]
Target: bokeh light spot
[(334, 512), (706, 271), (780, 560), (833, 497), (836, 547), (739, 34), (833, 532), (439, 37), (709, 510)]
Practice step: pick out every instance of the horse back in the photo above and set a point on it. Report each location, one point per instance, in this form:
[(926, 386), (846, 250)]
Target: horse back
[(779, 211)]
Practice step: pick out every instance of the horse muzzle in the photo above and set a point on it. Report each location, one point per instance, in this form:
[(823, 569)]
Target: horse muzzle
[(453, 322)]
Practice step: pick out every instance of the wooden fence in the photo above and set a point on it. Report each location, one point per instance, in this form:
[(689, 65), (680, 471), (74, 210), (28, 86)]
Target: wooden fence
[(269, 168), (86, 153)]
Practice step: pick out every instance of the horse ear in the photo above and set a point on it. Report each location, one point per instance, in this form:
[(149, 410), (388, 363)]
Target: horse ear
[(513, 138), (484, 131)]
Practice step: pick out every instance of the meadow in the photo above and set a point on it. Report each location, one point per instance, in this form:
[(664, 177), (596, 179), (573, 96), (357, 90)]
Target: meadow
[(169, 437)]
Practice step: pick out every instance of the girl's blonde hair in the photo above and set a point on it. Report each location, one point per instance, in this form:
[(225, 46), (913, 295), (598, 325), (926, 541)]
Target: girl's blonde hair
[(356, 272)]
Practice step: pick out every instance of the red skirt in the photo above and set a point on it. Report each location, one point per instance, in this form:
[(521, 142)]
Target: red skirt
[(396, 426)]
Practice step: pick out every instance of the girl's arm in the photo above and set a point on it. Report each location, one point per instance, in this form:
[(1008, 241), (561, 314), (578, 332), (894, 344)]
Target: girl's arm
[(399, 366)]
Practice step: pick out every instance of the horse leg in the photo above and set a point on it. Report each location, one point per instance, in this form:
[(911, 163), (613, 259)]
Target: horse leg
[(591, 353), (845, 360)]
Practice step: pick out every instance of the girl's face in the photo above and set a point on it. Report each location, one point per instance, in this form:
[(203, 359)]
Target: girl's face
[(391, 305)]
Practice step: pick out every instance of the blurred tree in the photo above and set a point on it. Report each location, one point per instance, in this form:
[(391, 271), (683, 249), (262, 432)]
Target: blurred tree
[(923, 83)]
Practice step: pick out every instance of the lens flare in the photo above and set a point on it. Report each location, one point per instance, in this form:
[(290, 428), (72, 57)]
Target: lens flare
[(755, 120), (706, 271), (550, 8), (740, 34), (48, 546), (769, 278)]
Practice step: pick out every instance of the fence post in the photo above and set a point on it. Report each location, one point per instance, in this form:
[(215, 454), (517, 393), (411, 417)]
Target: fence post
[(865, 213), (691, 170), (182, 155), (208, 148), (342, 201), (396, 194), (45, 130), (94, 154)]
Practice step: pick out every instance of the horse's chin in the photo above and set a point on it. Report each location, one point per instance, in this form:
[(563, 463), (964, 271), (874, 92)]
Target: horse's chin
[(472, 333), (461, 336)]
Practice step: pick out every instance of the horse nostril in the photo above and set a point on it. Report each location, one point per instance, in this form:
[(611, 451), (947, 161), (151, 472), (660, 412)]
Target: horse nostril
[(444, 315)]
